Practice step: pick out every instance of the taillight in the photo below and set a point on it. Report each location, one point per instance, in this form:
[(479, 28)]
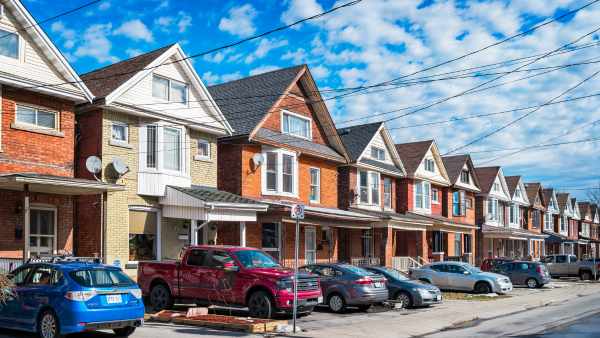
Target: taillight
[(409, 272), (80, 296), (539, 270), (384, 281), (363, 280)]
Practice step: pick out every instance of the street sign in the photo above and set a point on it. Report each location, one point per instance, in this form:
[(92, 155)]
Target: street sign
[(298, 211)]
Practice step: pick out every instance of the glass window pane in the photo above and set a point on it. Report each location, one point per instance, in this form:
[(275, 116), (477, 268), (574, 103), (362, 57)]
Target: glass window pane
[(203, 148), (160, 88), (33, 222), (25, 115), (272, 172), (9, 44), (197, 257), (287, 174), (296, 126), (46, 219), (178, 93), (172, 153), (305, 128), (151, 147), (46, 119), (286, 124), (287, 164), (118, 132), (269, 235)]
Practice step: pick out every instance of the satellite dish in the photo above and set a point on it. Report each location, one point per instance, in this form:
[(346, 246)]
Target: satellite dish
[(258, 159), (119, 165), (93, 165)]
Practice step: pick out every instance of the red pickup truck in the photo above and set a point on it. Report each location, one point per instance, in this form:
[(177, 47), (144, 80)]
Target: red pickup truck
[(229, 276)]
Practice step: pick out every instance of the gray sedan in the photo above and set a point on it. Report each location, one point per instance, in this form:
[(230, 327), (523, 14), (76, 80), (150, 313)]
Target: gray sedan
[(348, 285), (459, 276), (532, 274)]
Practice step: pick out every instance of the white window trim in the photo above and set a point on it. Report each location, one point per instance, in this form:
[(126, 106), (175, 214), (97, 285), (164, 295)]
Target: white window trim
[(328, 234), (280, 152), (369, 187), (423, 208), (187, 91), (202, 157), (299, 116), (158, 229), (20, 60), (185, 150), (548, 220), (120, 143), (378, 149), (48, 207), (564, 223), (495, 219), (516, 210), (306, 230), (318, 199), (425, 161), (437, 195), (390, 207)]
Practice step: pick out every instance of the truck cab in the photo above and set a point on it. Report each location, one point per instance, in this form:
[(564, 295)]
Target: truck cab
[(569, 265)]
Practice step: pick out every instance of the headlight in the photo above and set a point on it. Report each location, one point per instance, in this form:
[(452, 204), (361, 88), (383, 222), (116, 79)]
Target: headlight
[(81, 296), (286, 283), (137, 293)]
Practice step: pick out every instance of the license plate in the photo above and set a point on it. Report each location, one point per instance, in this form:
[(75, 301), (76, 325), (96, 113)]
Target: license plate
[(439, 297), (320, 300), (377, 285), (112, 299)]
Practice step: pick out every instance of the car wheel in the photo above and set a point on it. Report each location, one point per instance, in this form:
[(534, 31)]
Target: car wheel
[(48, 326), (161, 298), (406, 298), (482, 288), (540, 286), (365, 307), (585, 275), (125, 331), (261, 305), (532, 283), (337, 303)]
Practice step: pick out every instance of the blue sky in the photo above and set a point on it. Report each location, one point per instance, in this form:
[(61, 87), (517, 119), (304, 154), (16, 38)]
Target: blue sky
[(372, 42)]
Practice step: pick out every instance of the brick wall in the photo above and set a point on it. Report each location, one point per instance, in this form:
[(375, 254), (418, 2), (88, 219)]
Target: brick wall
[(480, 210), (404, 195), (436, 208)]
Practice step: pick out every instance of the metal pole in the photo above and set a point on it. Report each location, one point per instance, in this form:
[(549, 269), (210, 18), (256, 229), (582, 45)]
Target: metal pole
[(105, 226), (26, 222), (296, 273)]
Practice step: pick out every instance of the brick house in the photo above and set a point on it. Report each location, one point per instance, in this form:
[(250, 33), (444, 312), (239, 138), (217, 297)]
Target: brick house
[(420, 195), (585, 229), (153, 116), (285, 150), (536, 213), (367, 184), (595, 212), (562, 235), (553, 223), (38, 94), (575, 227)]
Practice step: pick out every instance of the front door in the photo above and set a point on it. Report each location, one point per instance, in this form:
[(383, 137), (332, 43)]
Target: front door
[(561, 266), (457, 278), (192, 274), (41, 239), (310, 237)]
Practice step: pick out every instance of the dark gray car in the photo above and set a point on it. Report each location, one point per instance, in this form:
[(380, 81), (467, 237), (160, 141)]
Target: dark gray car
[(532, 274), (348, 285), (410, 291)]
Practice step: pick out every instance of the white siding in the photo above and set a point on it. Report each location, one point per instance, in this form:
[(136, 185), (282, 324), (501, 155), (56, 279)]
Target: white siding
[(229, 215), (436, 175), (471, 185), (380, 143), (501, 193), (155, 184)]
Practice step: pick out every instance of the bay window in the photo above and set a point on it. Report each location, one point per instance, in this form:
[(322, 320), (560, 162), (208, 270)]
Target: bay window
[(296, 124), (164, 149), (151, 141), (288, 174), (370, 190), (172, 149), (272, 172), (387, 193), (280, 175), (315, 184), (364, 187), (423, 195), (492, 209), (548, 222)]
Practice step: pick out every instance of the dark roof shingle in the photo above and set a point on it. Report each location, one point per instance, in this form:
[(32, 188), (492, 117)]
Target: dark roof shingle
[(487, 176), (562, 200), (357, 138), (512, 182), (532, 190), (412, 154), (297, 142), (209, 195)]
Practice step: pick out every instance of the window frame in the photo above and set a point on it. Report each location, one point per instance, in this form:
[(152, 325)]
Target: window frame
[(203, 141), (21, 49), (54, 236), (461, 203), (464, 173), (280, 152), (37, 110), (469, 203), (425, 196), (495, 211), (159, 167), (496, 186), (435, 196), (427, 163), (325, 231), (318, 185), (379, 152), (126, 131), (300, 117), (548, 221), (387, 183), (187, 90), (369, 186)]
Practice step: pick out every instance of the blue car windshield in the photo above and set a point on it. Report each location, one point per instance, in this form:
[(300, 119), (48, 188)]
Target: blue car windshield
[(357, 271), (100, 278), (253, 259)]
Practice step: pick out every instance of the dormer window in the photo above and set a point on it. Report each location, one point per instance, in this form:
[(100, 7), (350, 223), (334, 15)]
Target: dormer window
[(167, 90), (296, 124), (377, 153), (464, 176), (517, 193), (537, 199), (429, 165), (496, 186), (9, 44)]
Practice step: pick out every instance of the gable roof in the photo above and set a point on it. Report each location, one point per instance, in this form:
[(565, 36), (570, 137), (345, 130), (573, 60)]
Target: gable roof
[(594, 212), (586, 207), (548, 192), (412, 154), (562, 200), (512, 182), (454, 166), (487, 176), (575, 208), (533, 190)]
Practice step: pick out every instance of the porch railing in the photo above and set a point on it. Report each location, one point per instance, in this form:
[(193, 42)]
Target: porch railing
[(405, 263), (9, 264), (452, 258), (362, 261)]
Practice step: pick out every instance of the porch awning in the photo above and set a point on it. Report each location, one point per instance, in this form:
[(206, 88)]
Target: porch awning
[(490, 231), (555, 237), (200, 203), (279, 212), (395, 221), (59, 185), (445, 224)]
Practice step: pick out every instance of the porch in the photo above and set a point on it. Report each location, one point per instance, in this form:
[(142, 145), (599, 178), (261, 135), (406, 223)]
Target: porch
[(513, 243)]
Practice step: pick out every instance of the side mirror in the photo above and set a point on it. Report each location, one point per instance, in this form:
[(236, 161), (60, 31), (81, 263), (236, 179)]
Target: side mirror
[(466, 273), (230, 267)]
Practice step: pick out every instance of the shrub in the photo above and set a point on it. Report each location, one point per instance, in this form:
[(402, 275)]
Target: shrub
[(7, 288)]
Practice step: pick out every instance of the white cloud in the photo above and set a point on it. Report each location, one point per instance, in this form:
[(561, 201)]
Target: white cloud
[(59, 27), (209, 78), (163, 22), (263, 69), (96, 45), (104, 6), (217, 57), (162, 5), (135, 30), (297, 57), (320, 72), (69, 44), (300, 9), (240, 21), (263, 48), (184, 22), (134, 52), (231, 77)]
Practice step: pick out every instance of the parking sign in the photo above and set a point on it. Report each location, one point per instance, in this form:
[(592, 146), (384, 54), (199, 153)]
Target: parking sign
[(298, 211)]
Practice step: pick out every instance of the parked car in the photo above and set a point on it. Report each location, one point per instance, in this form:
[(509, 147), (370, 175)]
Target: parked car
[(532, 274), (348, 285), (460, 276), (229, 276), (568, 265), (490, 263), (410, 291), (59, 297)]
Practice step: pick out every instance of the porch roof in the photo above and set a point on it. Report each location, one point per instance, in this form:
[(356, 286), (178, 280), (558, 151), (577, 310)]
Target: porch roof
[(510, 233), (319, 215), (59, 185), (394, 220), (555, 237), (445, 224)]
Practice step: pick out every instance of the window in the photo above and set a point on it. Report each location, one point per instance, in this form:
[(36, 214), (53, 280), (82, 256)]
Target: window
[(429, 166), (387, 193), (288, 175), (378, 153), (270, 239), (459, 206), (172, 149), (310, 245), (536, 219), (434, 195), (151, 141), (468, 246), (280, 177), (464, 176), (36, 117), (272, 172), (9, 44), (457, 245), (492, 209), (548, 222), (513, 217), (203, 148), (439, 267), (315, 184), (325, 234), (168, 90), (296, 125), (41, 276), (563, 224), (517, 193), (438, 241), (364, 187), (96, 278), (219, 258), (42, 232), (197, 257), (120, 131), (490, 248), (422, 195), (375, 188), (469, 203), (369, 186), (537, 199), (143, 243), (496, 186), (572, 232)]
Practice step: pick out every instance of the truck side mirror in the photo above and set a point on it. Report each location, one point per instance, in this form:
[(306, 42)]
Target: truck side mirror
[(230, 267)]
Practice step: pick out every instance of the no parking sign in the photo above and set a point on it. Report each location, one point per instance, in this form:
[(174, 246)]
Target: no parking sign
[(298, 211)]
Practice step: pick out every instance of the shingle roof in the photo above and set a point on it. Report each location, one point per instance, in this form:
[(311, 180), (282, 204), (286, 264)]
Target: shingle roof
[(412, 154), (512, 182), (380, 165), (548, 194), (532, 190), (107, 81), (584, 207), (487, 176), (209, 195), (562, 200), (573, 201), (454, 166), (297, 142), (357, 138), (244, 102), (384, 214)]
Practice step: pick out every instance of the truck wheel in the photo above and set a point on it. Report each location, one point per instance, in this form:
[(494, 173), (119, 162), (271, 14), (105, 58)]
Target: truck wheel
[(482, 288), (337, 303), (585, 275), (161, 298), (261, 305), (304, 314), (125, 331)]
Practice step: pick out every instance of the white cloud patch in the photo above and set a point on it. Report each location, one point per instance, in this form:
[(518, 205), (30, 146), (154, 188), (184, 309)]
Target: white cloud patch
[(263, 48), (297, 57), (184, 22), (134, 52), (320, 72), (163, 23), (300, 9), (96, 45), (135, 30), (68, 34), (104, 5), (210, 79), (240, 21), (162, 5), (263, 69)]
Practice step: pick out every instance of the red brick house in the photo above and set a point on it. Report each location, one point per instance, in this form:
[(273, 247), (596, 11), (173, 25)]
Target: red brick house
[(38, 92), (594, 230), (586, 229), (284, 150), (575, 227)]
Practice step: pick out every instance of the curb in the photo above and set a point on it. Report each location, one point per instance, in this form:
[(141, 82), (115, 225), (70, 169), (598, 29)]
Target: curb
[(538, 303)]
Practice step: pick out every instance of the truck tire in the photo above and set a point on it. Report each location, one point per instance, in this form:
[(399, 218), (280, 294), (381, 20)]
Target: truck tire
[(161, 298), (261, 305), (585, 275)]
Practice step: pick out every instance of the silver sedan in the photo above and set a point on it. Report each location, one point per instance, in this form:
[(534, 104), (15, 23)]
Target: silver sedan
[(459, 276)]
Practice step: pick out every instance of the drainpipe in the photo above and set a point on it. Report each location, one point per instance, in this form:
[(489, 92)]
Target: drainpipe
[(195, 230)]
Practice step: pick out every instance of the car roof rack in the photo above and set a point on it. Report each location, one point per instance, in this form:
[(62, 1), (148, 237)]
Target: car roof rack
[(47, 258)]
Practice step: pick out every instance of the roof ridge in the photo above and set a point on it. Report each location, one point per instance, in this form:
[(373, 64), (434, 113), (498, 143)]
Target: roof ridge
[(253, 76), (361, 125), (127, 60)]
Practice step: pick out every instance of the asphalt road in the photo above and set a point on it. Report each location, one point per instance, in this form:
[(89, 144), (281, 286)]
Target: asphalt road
[(579, 317)]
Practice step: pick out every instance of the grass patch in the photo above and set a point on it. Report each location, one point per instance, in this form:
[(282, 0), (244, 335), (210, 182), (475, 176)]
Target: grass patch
[(468, 296)]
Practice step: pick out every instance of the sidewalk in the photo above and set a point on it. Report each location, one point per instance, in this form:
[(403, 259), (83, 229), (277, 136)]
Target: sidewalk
[(409, 323)]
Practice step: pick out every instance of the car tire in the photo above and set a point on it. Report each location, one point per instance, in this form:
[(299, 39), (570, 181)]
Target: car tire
[(406, 298), (161, 298), (365, 307), (125, 331), (532, 283), (541, 286), (336, 303), (48, 326), (482, 288), (585, 275), (261, 305)]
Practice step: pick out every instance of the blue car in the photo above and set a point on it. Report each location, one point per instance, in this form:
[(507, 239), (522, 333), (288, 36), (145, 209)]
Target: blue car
[(59, 297)]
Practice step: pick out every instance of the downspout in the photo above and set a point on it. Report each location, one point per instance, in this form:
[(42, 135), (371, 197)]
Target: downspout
[(195, 232)]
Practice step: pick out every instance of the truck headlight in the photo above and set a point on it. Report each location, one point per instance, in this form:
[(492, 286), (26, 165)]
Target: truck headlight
[(285, 283)]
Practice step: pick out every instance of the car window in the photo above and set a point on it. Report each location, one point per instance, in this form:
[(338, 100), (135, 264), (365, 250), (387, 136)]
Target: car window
[(505, 267), (18, 276), (488, 262), (255, 259), (57, 276), (324, 271), (549, 259), (455, 269), (40, 277), (357, 271), (197, 257), (397, 275), (561, 259), (100, 277), (521, 266), (219, 258), (337, 273), (573, 259), (308, 268), (439, 267)]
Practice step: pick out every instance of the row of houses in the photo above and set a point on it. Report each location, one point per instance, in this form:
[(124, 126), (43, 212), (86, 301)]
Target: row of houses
[(180, 163)]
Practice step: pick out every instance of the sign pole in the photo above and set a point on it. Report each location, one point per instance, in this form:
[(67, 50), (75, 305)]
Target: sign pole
[(296, 273)]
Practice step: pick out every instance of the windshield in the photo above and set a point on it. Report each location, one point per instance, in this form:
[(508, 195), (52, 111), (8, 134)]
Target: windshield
[(252, 259), (356, 270), (100, 278), (471, 268), (397, 275)]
